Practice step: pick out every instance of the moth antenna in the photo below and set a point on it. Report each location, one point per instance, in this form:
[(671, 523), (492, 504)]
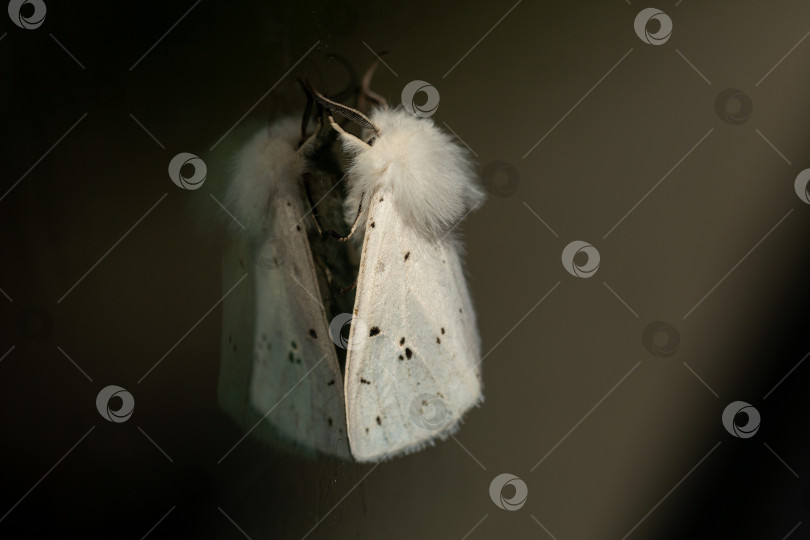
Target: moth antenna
[(347, 112), (365, 88)]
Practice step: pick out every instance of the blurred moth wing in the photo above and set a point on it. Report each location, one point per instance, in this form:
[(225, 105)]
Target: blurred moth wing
[(280, 378)]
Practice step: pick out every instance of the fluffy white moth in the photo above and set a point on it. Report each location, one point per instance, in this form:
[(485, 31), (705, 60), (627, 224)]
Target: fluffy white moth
[(415, 373), (292, 380)]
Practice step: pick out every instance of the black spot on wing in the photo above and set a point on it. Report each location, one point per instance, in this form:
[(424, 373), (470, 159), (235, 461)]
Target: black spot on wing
[(407, 255), (408, 352), (312, 333), (330, 383), (379, 422), (442, 330), (402, 341), (292, 358), (374, 331), (363, 381), (401, 357), (372, 225), (294, 345), (438, 340), (329, 420)]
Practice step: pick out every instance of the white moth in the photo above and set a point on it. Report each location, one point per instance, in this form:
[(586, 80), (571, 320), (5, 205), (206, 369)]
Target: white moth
[(415, 373), (280, 369)]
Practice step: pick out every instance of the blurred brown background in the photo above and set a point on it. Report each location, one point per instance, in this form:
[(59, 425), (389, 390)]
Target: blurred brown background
[(688, 198)]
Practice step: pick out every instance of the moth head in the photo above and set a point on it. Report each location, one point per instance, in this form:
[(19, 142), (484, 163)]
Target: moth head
[(349, 113)]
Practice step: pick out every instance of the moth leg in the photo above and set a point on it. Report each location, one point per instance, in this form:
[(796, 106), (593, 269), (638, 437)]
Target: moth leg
[(354, 225), (344, 290)]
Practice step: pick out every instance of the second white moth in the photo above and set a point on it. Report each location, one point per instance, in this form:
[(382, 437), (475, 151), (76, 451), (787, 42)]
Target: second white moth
[(415, 372)]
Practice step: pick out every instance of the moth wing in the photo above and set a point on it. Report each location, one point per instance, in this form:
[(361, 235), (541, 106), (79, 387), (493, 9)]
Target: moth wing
[(412, 362), (286, 376)]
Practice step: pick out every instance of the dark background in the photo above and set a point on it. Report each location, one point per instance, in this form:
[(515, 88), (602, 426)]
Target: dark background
[(648, 454)]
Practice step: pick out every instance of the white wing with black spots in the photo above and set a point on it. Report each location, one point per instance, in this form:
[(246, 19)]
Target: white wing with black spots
[(280, 377), (415, 373)]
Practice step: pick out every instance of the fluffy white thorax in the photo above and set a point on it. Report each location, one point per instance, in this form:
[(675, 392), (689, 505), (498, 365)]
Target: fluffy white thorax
[(431, 176), (268, 166)]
